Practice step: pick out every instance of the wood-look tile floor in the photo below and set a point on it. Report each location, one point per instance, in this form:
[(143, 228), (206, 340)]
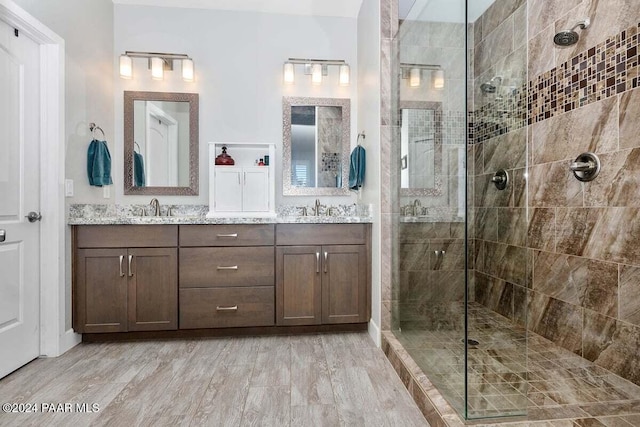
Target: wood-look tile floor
[(337, 379)]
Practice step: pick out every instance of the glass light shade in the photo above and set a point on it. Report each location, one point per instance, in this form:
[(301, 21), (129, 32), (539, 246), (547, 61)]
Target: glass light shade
[(316, 74), (187, 70), (289, 73), (414, 77), (438, 79), (344, 75), (126, 67), (157, 68)]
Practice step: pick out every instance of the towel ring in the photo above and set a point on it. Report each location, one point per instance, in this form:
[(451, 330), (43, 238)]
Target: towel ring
[(93, 127)]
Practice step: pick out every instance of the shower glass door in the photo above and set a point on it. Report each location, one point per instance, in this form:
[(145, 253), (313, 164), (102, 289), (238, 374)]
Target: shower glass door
[(462, 270)]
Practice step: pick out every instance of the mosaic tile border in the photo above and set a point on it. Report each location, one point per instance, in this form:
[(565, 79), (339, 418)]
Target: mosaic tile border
[(605, 70)]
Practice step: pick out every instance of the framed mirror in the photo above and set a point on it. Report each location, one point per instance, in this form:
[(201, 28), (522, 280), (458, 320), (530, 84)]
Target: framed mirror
[(421, 165), (161, 143), (316, 146)]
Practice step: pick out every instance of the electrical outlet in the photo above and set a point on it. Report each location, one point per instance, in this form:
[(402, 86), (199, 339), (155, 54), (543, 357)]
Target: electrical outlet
[(106, 192), (68, 188)]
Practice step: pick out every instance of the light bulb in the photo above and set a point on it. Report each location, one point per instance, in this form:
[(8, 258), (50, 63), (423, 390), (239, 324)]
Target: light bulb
[(414, 77), (344, 75), (438, 79), (316, 74), (157, 68), (289, 73), (126, 67), (187, 70)]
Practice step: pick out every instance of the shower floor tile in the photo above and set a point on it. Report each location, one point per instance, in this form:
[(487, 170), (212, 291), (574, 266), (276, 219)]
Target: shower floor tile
[(514, 372)]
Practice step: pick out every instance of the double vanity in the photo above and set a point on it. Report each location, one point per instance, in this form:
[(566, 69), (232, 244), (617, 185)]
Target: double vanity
[(181, 274), (239, 262)]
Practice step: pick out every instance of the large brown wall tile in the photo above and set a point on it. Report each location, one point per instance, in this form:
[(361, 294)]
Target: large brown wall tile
[(629, 114), (618, 184), (557, 321), (629, 309)]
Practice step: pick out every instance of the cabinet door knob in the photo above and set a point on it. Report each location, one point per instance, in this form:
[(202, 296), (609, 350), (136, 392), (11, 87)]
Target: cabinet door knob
[(130, 272), (121, 259), (232, 267)]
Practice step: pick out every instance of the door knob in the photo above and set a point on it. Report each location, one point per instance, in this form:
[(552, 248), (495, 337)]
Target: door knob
[(3, 235), (34, 216)]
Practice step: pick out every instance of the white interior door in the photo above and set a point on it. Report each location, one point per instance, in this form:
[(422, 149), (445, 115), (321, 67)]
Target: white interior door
[(19, 195)]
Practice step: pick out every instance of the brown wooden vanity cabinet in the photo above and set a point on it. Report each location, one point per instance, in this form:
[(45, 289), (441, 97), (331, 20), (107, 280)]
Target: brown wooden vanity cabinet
[(322, 274), (226, 276), (125, 278)]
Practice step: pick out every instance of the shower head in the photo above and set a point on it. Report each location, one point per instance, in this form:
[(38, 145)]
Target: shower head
[(570, 37), (491, 86)]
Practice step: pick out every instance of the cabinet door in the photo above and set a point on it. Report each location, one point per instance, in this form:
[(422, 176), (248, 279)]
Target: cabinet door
[(344, 284), (255, 192), (153, 289), (100, 303), (298, 285), (228, 189)]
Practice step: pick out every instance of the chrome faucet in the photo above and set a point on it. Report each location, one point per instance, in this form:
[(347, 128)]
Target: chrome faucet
[(303, 210), (416, 205), (316, 209), (156, 206)]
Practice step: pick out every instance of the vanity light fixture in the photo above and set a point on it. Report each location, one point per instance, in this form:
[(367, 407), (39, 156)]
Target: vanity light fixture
[(317, 68), (158, 63), (413, 72)]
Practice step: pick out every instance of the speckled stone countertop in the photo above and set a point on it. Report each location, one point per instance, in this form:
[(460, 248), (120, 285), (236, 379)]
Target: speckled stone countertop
[(196, 214)]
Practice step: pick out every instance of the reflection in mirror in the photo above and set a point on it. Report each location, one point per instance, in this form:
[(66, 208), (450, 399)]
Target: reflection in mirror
[(161, 143), (316, 146), (421, 148)]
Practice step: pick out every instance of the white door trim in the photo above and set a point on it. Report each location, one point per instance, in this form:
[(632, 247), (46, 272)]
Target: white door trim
[(54, 338)]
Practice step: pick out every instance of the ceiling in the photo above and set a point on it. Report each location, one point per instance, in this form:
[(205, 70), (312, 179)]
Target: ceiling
[(340, 8)]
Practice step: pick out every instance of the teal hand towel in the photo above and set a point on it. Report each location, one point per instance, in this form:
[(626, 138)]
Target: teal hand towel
[(99, 164), (138, 170), (357, 167)]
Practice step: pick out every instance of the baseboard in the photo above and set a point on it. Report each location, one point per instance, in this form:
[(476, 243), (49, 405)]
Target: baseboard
[(374, 332), (69, 340)]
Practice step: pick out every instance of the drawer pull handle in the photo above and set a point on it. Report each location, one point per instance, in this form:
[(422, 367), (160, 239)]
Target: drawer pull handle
[(130, 272), (232, 267), (121, 259), (228, 235), (232, 308), (317, 262)]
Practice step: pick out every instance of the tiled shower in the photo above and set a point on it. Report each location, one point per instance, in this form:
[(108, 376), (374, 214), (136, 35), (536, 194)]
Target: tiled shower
[(522, 302)]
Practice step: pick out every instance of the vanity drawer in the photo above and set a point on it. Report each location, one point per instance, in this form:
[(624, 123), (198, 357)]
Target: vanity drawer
[(223, 267), (227, 235), (321, 234), (227, 307), (126, 236)]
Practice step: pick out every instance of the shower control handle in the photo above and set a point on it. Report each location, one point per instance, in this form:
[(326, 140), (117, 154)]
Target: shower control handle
[(585, 167), (500, 179), (582, 166)]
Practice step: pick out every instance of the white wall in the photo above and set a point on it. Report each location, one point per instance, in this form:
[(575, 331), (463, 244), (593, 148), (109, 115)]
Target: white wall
[(369, 121), (87, 29), (238, 60)]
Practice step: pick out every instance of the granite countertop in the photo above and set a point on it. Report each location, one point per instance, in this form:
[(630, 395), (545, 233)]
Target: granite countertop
[(114, 220), (130, 214)]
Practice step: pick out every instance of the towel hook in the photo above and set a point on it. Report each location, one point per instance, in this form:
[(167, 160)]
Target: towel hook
[(135, 144), (361, 134), (93, 127)]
